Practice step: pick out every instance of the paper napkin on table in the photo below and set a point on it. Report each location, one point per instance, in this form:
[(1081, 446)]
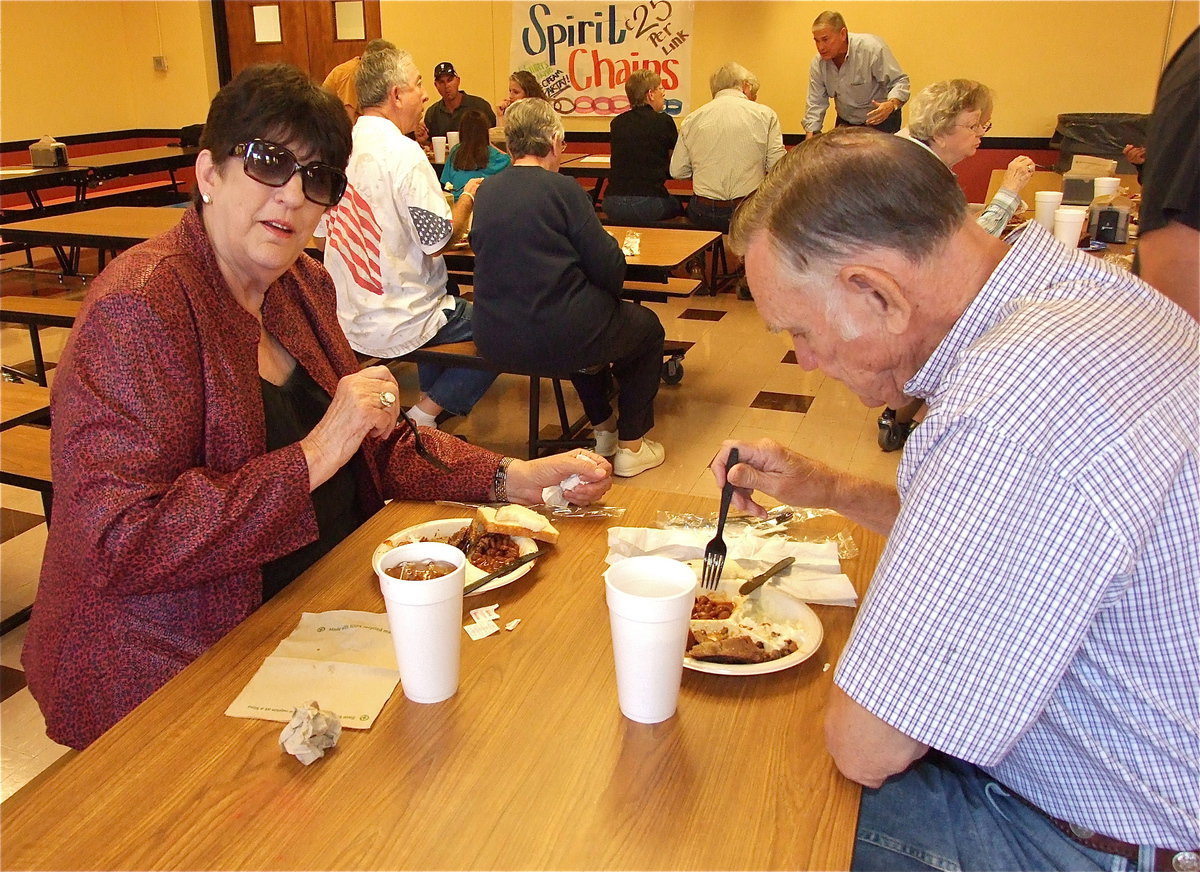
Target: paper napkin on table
[(342, 659), (815, 577)]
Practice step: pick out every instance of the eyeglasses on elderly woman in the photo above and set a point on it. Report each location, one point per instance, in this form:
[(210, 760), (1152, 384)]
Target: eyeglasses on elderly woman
[(274, 165)]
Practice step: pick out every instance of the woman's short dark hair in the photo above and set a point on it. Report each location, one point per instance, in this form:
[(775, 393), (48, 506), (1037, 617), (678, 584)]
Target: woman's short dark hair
[(472, 152), (277, 102), (527, 83)]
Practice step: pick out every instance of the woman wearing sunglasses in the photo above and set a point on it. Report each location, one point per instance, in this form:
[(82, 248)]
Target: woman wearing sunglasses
[(212, 435)]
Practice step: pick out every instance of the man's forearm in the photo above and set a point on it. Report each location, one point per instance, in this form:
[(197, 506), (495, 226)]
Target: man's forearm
[(865, 501)]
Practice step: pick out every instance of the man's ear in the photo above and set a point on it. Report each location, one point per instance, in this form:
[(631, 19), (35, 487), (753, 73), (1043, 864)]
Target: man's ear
[(879, 294)]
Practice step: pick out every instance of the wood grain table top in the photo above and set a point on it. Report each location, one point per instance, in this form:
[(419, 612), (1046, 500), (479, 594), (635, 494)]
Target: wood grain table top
[(530, 766), (21, 402)]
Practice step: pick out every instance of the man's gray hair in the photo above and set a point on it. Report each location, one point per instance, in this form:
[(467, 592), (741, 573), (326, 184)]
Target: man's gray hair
[(850, 189), (730, 75), (378, 45), (378, 72), (830, 19), (935, 110), (530, 127)]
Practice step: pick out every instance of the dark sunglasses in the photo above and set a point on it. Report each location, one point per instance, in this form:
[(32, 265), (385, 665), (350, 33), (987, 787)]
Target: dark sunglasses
[(274, 165)]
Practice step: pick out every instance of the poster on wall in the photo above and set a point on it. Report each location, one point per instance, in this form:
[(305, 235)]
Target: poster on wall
[(582, 53)]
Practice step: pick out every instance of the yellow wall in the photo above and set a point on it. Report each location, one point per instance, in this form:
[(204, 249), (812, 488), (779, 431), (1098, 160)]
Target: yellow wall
[(84, 66)]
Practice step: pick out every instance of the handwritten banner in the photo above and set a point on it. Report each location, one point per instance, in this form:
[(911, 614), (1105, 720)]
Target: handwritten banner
[(583, 53)]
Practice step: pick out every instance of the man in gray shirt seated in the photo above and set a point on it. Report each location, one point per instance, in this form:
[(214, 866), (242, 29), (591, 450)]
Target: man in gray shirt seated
[(446, 114), (859, 72)]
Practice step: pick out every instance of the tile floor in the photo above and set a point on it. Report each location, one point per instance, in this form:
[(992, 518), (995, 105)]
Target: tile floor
[(739, 380)]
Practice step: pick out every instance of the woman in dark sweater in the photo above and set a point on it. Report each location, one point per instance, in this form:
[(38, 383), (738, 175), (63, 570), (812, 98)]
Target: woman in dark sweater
[(548, 280), (642, 140)]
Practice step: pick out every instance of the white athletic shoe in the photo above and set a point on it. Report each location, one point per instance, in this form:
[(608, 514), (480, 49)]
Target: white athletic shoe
[(606, 442), (627, 463)]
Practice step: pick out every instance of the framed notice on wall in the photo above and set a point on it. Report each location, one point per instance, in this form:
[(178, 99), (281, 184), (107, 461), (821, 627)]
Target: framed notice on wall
[(583, 53)]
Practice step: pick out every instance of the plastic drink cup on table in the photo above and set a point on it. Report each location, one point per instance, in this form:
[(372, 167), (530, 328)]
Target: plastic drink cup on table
[(649, 607), (439, 149), (425, 617), (1045, 203), (1105, 185), (1068, 224)]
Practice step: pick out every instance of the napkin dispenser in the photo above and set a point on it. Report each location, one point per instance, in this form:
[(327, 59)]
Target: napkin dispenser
[(47, 152), (1078, 190), (1109, 223)]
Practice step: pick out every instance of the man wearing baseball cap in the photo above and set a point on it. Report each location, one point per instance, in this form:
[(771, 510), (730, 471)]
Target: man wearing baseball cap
[(447, 113)]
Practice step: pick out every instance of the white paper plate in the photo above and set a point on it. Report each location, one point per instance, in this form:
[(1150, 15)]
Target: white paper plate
[(442, 529), (808, 640)]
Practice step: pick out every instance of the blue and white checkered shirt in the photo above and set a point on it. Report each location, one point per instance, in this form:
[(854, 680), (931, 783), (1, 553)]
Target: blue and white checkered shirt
[(1037, 608)]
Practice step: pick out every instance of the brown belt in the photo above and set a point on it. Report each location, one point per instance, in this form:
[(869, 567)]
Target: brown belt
[(1165, 859), (720, 204)]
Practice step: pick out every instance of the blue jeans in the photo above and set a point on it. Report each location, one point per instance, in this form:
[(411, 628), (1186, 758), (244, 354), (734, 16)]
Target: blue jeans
[(949, 815), (455, 389), (639, 211)]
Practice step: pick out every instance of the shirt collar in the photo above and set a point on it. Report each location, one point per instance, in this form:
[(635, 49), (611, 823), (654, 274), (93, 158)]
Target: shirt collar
[(1033, 249), (731, 92)]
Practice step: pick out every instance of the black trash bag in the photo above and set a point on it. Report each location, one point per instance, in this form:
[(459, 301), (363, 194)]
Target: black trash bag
[(1099, 134), (189, 137)]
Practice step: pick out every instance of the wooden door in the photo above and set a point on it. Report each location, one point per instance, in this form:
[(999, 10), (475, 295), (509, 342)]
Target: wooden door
[(300, 32)]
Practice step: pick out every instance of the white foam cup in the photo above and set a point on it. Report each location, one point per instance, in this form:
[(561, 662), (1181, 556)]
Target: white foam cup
[(439, 149), (1105, 185), (452, 138), (649, 607), (1068, 224), (425, 617), (1046, 202)]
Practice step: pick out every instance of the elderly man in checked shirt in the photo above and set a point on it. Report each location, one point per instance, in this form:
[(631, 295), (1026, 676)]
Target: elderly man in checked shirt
[(1022, 686)]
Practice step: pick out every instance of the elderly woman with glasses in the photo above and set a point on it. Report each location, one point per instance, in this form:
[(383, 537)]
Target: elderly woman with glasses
[(950, 118), (213, 435), (548, 281)]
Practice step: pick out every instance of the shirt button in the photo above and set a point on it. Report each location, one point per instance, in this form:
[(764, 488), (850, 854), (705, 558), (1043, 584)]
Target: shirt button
[(1081, 832), (1186, 861)]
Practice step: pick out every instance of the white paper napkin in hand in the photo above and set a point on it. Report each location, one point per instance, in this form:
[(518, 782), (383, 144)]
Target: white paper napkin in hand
[(815, 577), (553, 495), (345, 659)]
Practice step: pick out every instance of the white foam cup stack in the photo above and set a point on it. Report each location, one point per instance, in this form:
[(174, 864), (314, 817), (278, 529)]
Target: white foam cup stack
[(452, 138), (439, 149), (1045, 203), (425, 617), (1068, 224), (1105, 185), (649, 607)]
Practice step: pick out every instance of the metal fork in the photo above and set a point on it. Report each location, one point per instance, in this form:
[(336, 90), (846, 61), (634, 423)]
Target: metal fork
[(419, 446), (715, 550)]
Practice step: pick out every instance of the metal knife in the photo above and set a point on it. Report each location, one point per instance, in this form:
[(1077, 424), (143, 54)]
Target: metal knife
[(503, 570), (759, 580)]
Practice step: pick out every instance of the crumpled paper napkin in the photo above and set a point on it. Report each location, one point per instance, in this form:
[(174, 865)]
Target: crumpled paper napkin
[(310, 733), (815, 577)]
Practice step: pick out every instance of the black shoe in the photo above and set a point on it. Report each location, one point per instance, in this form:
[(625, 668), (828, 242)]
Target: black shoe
[(892, 433), (743, 290)]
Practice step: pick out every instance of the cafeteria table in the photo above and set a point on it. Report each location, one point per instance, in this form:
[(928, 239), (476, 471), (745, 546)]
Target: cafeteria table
[(136, 162), (33, 180), (529, 766), (107, 228), (660, 249), (21, 403)]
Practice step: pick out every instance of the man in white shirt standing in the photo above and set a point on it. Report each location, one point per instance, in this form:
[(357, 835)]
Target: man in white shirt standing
[(860, 74), (386, 235)]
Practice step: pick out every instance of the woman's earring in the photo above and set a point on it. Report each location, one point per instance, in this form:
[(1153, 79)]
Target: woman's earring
[(205, 199)]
